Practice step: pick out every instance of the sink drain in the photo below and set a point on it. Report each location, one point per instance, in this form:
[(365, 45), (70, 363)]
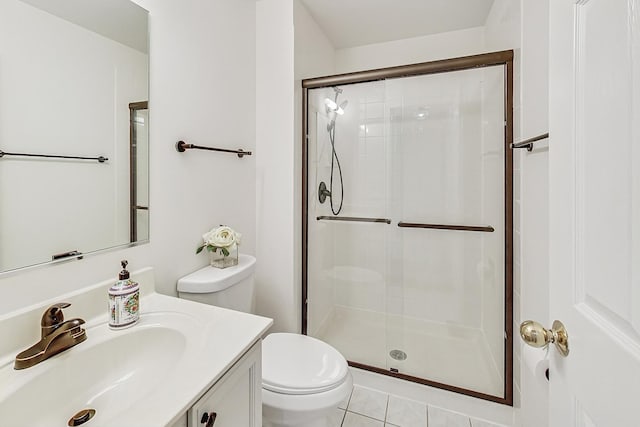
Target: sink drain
[(398, 355), (81, 417)]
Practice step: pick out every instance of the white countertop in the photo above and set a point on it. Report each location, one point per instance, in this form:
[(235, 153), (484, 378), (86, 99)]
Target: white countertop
[(214, 339)]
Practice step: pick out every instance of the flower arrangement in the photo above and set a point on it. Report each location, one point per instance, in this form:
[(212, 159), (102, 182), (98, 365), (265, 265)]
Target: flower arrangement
[(222, 238)]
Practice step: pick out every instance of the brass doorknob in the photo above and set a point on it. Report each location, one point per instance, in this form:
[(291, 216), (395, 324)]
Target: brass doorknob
[(536, 335)]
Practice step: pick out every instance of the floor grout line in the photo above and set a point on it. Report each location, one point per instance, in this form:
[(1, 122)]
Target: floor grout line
[(363, 415), (385, 421), (386, 410)]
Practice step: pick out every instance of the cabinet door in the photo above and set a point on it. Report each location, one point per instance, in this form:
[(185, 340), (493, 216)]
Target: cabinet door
[(236, 399)]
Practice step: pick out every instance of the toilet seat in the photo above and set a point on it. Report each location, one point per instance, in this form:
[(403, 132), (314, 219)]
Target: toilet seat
[(297, 364)]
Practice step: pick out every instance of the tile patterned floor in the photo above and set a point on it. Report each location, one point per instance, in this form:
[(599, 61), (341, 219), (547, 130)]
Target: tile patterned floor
[(372, 408)]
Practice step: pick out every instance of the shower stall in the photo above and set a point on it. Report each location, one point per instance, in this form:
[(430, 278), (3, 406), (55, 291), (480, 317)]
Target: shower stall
[(407, 221)]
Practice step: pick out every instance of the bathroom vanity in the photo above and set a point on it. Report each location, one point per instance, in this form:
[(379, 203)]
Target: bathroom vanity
[(183, 364), (234, 400)]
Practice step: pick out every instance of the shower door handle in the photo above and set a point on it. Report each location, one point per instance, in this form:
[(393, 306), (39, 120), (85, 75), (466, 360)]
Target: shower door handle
[(536, 335)]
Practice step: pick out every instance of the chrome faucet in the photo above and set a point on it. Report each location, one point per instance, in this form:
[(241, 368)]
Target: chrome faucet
[(57, 335)]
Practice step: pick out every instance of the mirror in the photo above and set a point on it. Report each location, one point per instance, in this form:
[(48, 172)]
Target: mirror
[(73, 128)]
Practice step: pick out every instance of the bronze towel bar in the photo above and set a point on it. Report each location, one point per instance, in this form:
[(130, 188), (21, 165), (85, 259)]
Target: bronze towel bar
[(485, 229), (354, 219), (182, 146), (100, 159)]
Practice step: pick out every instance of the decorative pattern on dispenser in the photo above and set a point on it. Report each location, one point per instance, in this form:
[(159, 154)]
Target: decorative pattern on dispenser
[(124, 300)]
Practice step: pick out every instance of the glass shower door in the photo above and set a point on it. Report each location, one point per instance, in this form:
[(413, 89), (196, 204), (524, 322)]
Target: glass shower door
[(446, 137), (408, 216), (346, 254)]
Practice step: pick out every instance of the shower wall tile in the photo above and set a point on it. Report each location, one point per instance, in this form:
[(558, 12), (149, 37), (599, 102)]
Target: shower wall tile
[(375, 92), (375, 129), (375, 111), (517, 248), (517, 221), (359, 267), (517, 276), (437, 286), (517, 159), (517, 311), (517, 190)]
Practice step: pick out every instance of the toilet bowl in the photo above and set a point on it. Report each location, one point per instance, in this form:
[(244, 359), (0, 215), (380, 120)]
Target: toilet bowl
[(303, 379)]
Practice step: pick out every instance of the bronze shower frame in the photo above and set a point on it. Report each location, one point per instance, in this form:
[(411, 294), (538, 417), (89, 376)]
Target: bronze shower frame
[(504, 58)]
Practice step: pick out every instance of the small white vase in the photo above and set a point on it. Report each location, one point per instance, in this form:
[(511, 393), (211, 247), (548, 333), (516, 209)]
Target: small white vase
[(218, 260)]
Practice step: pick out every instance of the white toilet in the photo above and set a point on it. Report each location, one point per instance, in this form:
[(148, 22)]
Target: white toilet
[(303, 379)]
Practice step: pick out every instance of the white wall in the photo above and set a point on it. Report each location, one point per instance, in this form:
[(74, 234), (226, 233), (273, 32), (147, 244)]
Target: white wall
[(533, 287), (503, 31), (523, 25), (277, 285), (51, 104), (411, 51), (314, 55), (202, 90)]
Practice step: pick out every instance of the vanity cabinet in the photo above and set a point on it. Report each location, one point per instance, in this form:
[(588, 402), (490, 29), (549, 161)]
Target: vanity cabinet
[(235, 399)]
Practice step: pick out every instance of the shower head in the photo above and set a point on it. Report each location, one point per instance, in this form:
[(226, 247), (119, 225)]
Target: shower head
[(332, 104), (333, 107)]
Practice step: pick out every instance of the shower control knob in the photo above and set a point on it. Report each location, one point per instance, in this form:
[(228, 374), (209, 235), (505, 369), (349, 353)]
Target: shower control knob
[(536, 335), (323, 193)]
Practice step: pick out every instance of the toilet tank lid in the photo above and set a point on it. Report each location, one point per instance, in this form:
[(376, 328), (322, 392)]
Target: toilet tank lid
[(211, 279)]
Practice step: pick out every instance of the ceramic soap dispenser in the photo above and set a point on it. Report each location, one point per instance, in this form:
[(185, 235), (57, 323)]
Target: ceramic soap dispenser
[(124, 301)]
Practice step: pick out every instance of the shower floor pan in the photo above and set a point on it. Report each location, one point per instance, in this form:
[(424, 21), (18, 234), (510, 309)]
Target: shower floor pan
[(447, 354)]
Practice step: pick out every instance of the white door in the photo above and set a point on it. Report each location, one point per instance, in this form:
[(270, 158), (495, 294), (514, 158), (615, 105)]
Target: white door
[(594, 163)]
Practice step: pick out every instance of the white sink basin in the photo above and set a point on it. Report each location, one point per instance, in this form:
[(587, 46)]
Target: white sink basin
[(109, 372), (148, 375)]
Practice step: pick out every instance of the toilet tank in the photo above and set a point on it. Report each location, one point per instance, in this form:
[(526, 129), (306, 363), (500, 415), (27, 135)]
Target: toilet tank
[(231, 287)]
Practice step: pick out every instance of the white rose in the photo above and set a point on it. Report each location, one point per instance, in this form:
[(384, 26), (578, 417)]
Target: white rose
[(222, 237)]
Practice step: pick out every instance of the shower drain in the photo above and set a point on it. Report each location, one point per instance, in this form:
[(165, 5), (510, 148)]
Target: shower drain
[(398, 355)]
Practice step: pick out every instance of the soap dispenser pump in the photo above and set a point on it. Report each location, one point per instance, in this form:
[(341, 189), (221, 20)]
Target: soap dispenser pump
[(124, 300)]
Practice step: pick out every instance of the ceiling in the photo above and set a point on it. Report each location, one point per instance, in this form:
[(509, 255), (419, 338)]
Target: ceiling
[(349, 23), (120, 20)]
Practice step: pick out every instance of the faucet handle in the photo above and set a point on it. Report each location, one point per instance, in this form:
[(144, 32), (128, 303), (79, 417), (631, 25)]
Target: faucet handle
[(53, 316)]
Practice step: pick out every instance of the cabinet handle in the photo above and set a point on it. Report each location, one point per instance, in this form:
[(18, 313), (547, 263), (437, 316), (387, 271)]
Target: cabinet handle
[(210, 419)]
